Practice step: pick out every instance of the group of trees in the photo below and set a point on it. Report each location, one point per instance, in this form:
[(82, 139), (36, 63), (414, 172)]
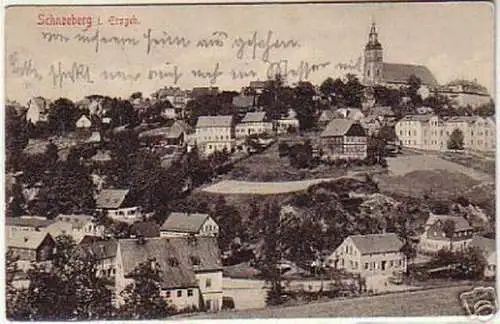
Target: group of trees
[(73, 288), (344, 94)]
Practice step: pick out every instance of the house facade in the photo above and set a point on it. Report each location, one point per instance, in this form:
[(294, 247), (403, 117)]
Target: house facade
[(104, 252), (287, 123), (373, 254), (429, 132), (81, 226), (83, 122), (253, 123), (343, 139), (38, 108), (114, 203), (434, 237), (215, 133), (184, 224)]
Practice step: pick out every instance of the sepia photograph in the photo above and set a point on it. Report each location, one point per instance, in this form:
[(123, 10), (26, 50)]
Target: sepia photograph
[(250, 160)]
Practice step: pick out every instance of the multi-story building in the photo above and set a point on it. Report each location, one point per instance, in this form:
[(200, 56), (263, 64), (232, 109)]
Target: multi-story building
[(343, 139), (191, 269), (254, 123), (184, 224), (464, 93), (215, 133), (373, 254), (287, 123), (429, 132), (434, 237)]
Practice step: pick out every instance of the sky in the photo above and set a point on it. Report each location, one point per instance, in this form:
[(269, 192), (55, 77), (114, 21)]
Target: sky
[(454, 40)]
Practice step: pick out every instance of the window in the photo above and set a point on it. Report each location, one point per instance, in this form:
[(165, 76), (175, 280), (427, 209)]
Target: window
[(391, 263), (208, 283), (366, 265), (190, 292), (179, 293), (167, 294)]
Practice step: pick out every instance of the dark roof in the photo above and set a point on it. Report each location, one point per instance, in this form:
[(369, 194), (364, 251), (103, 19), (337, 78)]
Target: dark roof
[(461, 223), (145, 229), (422, 118), (184, 222), (100, 249), (377, 243), (400, 73), (30, 240), (340, 127), (28, 222), (175, 272), (201, 253), (214, 121), (111, 198), (243, 101)]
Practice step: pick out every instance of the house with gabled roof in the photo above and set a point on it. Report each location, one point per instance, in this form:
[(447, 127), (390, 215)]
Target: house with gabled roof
[(102, 251), (31, 246), (191, 269), (371, 254), (81, 225), (83, 122), (117, 205), (254, 123), (434, 237), (343, 138), (184, 224), (288, 122), (215, 133), (36, 224)]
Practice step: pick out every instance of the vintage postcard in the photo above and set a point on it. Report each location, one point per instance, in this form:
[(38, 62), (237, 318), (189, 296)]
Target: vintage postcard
[(258, 160)]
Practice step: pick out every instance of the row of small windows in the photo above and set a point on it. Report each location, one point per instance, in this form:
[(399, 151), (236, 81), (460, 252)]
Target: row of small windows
[(217, 138), (179, 293)]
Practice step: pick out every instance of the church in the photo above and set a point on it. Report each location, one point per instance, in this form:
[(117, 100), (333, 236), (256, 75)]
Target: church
[(377, 72)]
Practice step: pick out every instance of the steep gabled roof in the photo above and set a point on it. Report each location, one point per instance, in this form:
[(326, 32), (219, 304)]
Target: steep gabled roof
[(99, 249), (184, 222), (201, 253), (461, 223), (339, 127), (111, 198), (175, 272), (377, 243), (214, 121), (400, 73), (30, 240)]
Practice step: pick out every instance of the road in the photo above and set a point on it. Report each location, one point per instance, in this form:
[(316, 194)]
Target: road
[(432, 302)]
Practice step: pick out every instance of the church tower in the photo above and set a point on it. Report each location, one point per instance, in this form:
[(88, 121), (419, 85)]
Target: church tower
[(372, 73)]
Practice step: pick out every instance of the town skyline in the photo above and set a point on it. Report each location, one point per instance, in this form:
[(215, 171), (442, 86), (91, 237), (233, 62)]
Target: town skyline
[(463, 52)]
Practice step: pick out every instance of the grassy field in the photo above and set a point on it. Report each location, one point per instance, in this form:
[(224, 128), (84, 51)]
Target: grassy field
[(435, 302)]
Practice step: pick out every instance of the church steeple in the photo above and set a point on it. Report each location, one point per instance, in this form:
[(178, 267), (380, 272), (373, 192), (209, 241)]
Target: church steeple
[(373, 58), (373, 42)]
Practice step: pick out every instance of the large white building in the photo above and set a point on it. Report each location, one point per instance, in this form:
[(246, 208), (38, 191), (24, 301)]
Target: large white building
[(254, 123), (215, 133), (429, 132)]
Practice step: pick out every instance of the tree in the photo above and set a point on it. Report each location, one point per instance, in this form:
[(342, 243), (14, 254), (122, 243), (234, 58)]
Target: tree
[(230, 223), (353, 91), (456, 140), (301, 155), (272, 253), (70, 289), (304, 104), (11, 292), (67, 189), (449, 231), (142, 298), (16, 137), (62, 116), (414, 84)]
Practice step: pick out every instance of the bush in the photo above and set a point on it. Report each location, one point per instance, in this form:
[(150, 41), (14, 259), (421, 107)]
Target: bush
[(227, 302)]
